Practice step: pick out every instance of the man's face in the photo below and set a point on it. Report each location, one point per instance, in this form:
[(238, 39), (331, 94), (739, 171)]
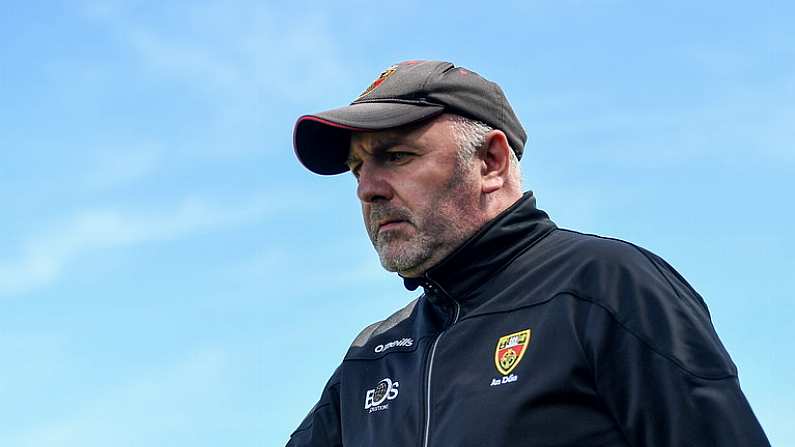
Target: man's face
[(419, 199)]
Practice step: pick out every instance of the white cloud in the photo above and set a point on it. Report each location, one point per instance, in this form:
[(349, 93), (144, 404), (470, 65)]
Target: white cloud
[(161, 403), (241, 68), (743, 123), (182, 59), (242, 53), (124, 165), (31, 359), (337, 264), (44, 257)]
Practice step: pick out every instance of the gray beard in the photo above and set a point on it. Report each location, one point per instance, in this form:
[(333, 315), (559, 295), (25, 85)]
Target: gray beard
[(437, 234), (411, 253), (446, 225)]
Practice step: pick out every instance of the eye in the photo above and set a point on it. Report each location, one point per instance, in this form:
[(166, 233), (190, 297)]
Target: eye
[(397, 156)]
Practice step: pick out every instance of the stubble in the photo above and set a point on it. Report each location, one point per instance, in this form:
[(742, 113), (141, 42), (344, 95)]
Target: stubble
[(447, 220)]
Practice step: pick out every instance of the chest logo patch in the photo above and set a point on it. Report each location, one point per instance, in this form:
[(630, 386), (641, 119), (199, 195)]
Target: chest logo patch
[(510, 350), (376, 398)]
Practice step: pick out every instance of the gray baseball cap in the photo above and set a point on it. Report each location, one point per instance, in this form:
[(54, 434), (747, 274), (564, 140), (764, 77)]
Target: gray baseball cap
[(405, 93)]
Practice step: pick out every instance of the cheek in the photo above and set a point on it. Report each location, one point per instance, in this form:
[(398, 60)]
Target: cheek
[(366, 217), (423, 185), (423, 189)]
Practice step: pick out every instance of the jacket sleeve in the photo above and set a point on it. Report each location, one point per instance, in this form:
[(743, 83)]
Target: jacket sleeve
[(658, 364), (321, 427)]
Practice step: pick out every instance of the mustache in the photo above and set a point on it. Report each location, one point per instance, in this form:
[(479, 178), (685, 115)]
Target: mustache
[(379, 214)]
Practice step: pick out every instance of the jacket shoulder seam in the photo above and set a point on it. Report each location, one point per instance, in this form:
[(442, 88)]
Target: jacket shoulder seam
[(312, 413), (384, 325), (643, 340), (613, 315), (636, 248)]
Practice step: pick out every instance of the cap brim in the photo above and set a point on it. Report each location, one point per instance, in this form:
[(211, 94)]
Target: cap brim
[(322, 140)]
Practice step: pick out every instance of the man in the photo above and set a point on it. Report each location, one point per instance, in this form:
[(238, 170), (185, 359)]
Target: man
[(526, 334)]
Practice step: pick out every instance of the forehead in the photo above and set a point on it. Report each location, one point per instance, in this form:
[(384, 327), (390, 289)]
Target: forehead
[(435, 134), (371, 141)]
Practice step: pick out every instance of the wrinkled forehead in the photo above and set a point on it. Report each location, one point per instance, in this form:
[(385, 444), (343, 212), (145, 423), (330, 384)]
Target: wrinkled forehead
[(370, 142), (413, 135)]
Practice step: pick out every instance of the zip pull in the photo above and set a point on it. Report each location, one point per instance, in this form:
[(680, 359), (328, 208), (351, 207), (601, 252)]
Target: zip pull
[(431, 286), (437, 295)]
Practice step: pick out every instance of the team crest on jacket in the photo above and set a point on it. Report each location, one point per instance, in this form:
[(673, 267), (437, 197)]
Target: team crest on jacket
[(510, 350)]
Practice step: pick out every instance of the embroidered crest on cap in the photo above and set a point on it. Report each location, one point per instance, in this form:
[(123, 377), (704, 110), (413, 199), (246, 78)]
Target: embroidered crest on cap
[(510, 350), (378, 81)]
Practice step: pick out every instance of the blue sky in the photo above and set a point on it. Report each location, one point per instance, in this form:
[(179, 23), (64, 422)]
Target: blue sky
[(169, 274)]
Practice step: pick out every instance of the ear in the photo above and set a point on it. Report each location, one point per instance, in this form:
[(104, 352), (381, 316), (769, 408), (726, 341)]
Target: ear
[(495, 158)]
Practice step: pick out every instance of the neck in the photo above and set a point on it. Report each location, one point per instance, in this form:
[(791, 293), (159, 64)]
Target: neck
[(489, 249), (495, 203), (491, 206)]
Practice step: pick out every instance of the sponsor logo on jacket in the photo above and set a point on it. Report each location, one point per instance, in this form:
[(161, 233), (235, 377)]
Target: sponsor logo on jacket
[(376, 398), (403, 342)]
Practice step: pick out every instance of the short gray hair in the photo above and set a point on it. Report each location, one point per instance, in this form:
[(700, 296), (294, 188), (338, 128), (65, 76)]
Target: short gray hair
[(470, 135)]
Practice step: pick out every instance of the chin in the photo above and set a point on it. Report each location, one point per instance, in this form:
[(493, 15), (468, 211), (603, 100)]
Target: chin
[(404, 266)]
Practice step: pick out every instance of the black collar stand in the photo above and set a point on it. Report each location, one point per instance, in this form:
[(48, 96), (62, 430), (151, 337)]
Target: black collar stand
[(492, 247)]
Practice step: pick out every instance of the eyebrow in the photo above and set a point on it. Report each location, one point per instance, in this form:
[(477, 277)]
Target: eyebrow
[(380, 146)]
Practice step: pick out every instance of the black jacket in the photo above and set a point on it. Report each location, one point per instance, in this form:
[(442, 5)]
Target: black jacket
[(530, 335)]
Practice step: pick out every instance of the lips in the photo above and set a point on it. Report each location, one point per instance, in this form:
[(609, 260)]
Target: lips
[(387, 224), (386, 218)]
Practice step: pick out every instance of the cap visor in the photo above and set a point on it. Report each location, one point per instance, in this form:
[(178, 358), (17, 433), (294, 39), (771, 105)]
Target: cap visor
[(321, 141)]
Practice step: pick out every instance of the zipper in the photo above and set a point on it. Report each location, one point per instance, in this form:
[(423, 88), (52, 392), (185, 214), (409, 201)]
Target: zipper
[(432, 287)]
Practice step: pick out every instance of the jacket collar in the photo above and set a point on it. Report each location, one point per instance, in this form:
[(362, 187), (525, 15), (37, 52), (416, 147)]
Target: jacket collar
[(492, 247)]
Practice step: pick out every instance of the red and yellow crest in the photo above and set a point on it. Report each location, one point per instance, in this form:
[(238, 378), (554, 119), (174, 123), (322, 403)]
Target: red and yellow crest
[(510, 350), (379, 80)]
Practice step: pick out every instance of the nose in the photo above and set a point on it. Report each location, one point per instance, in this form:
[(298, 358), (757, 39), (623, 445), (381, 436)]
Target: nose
[(373, 185)]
